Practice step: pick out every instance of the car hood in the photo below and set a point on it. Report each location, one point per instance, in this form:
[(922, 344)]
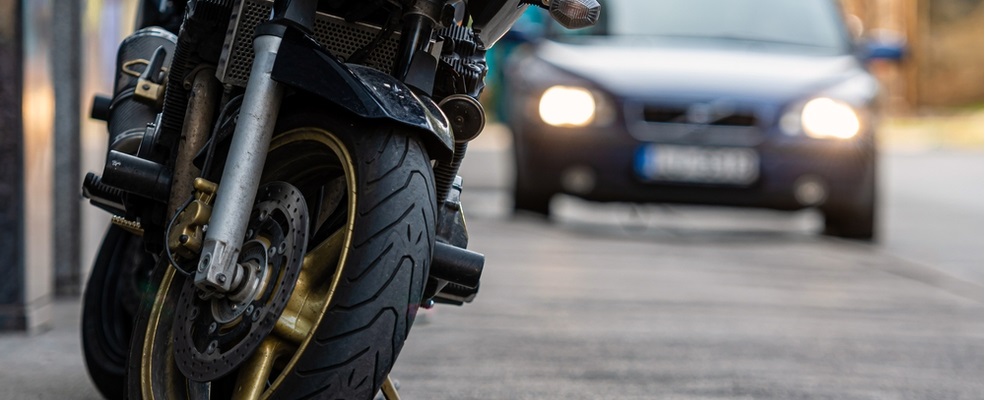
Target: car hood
[(636, 71)]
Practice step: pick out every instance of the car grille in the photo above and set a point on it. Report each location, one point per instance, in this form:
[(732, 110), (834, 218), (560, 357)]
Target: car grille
[(665, 114), (707, 124)]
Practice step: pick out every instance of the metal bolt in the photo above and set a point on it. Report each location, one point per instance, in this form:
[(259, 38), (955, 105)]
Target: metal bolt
[(221, 278), (272, 251), (249, 309), (213, 327), (212, 347), (428, 304), (183, 239), (204, 264), (146, 87), (205, 228), (263, 215), (249, 234), (256, 314), (282, 248)]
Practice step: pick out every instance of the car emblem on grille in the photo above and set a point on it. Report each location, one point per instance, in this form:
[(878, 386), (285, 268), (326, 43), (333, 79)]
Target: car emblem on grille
[(706, 113)]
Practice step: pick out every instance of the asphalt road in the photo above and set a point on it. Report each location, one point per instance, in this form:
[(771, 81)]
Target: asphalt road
[(629, 302), (622, 302)]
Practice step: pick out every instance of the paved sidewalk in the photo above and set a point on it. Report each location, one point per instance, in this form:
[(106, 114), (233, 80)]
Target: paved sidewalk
[(46, 365)]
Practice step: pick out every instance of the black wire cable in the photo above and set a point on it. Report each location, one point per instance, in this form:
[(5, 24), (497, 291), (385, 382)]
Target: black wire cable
[(215, 139), (360, 56), (167, 235)]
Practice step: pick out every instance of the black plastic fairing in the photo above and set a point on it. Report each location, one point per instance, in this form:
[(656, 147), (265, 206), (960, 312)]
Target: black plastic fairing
[(303, 65)]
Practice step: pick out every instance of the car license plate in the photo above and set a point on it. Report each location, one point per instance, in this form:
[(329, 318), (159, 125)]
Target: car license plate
[(703, 165)]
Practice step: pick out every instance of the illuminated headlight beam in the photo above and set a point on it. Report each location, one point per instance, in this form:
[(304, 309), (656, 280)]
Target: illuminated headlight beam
[(567, 106), (825, 118)]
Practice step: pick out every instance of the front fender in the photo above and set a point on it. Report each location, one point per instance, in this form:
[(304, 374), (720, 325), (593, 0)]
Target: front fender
[(305, 66)]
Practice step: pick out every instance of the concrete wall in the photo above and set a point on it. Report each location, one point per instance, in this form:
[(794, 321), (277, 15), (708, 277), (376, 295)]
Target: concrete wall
[(39, 109)]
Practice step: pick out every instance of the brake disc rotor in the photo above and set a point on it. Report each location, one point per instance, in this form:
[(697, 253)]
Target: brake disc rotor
[(213, 335)]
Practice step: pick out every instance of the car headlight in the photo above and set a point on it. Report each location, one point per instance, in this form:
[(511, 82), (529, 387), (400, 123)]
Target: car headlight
[(825, 118), (568, 106)]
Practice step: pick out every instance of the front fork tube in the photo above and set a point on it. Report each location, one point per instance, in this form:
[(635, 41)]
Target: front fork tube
[(218, 267), (204, 96)]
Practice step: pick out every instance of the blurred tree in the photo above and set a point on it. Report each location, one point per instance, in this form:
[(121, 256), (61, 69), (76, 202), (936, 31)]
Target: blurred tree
[(945, 43), (950, 74)]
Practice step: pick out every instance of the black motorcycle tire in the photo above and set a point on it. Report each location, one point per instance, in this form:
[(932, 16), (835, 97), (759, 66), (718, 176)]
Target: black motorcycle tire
[(106, 317), (385, 259)]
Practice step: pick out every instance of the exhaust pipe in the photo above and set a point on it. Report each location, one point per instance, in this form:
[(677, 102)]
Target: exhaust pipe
[(455, 274)]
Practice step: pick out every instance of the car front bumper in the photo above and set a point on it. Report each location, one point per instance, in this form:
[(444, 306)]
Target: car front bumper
[(599, 165)]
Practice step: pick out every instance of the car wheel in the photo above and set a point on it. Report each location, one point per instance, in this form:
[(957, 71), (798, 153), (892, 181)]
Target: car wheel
[(853, 224), (856, 221), (531, 196), (532, 201)]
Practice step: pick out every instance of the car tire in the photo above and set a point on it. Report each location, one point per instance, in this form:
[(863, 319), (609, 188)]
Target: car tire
[(532, 202), (856, 221), (531, 195), (852, 224)]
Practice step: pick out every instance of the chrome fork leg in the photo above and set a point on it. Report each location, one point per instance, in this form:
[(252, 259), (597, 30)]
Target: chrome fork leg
[(218, 267)]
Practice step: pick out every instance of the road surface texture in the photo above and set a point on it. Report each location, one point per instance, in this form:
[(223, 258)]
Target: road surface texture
[(623, 302), (583, 312), (652, 302)]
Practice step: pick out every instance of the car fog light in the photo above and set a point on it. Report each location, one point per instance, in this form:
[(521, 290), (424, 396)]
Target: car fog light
[(810, 190), (567, 106), (825, 118), (578, 180)]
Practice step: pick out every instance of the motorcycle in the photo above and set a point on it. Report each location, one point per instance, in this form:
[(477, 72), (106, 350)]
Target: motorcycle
[(283, 180)]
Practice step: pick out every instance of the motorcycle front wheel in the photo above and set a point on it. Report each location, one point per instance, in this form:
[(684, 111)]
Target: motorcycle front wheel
[(369, 191)]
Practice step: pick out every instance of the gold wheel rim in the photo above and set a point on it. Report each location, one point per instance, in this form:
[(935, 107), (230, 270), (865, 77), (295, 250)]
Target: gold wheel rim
[(306, 307)]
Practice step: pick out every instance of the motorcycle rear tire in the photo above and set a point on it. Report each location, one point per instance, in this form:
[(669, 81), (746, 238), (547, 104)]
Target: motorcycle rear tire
[(390, 215), (106, 319)]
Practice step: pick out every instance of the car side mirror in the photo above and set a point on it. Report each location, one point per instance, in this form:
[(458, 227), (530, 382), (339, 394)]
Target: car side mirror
[(883, 45)]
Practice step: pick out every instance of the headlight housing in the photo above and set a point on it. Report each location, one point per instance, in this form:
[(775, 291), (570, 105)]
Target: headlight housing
[(568, 106), (823, 118)]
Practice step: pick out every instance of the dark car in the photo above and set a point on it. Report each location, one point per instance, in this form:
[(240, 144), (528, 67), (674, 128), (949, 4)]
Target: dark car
[(751, 103)]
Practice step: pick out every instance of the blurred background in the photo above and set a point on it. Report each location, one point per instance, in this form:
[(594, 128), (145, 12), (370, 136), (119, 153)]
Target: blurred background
[(53, 50), (923, 275)]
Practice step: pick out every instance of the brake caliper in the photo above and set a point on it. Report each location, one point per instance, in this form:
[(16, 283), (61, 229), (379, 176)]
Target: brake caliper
[(187, 233)]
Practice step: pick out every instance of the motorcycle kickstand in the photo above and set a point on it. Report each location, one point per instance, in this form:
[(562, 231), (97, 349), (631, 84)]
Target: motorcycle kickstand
[(389, 389)]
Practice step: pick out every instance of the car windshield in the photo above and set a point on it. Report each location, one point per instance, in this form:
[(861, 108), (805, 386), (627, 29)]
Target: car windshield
[(809, 24)]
